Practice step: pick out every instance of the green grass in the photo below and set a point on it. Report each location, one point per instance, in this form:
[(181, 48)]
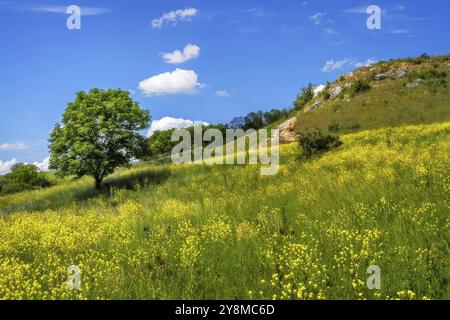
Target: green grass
[(226, 232)]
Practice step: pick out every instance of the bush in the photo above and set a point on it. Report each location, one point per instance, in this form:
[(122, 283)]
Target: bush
[(334, 127), (314, 143), (359, 86), (23, 177)]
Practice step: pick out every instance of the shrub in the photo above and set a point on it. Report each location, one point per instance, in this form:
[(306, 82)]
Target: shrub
[(359, 86), (334, 127), (314, 143), (23, 177)]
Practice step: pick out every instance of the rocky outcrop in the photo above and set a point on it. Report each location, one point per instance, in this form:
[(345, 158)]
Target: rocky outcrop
[(287, 133), (381, 76), (414, 84), (317, 104), (335, 91), (399, 74)]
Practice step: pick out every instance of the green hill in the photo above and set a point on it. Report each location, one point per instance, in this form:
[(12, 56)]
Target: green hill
[(399, 92), (226, 232)]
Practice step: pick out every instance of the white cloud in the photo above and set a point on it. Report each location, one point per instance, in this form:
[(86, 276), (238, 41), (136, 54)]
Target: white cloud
[(366, 63), (13, 146), (361, 10), (167, 123), (400, 7), (85, 11), (332, 65), (317, 18), (43, 166), (400, 31), (358, 10), (191, 51), (178, 81), (329, 30), (174, 16), (6, 166), (223, 94)]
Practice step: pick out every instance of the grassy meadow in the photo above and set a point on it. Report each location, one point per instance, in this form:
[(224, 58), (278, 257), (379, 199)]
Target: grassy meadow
[(226, 232)]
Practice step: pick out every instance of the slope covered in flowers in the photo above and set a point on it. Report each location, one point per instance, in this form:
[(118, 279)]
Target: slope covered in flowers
[(309, 232)]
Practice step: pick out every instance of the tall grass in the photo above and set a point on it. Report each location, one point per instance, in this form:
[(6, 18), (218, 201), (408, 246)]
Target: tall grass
[(309, 232)]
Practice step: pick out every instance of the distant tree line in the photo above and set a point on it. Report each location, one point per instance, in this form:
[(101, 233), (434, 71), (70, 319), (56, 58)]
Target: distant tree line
[(160, 143)]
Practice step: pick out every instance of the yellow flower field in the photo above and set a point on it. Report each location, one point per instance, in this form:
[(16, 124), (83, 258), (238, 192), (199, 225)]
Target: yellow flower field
[(198, 231)]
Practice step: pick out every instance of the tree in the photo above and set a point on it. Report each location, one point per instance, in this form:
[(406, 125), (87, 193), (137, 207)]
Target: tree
[(23, 177), (274, 115), (97, 134), (254, 120), (304, 97)]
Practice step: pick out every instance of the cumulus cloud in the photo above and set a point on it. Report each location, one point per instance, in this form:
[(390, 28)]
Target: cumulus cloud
[(173, 17), (43, 166), (6, 166), (167, 123), (332, 65), (178, 81), (191, 51), (223, 94), (13, 146)]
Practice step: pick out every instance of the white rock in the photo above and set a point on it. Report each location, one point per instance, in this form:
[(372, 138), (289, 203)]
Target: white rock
[(318, 89), (335, 91)]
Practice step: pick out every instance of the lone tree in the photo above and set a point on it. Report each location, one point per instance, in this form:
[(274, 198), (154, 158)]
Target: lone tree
[(98, 133)]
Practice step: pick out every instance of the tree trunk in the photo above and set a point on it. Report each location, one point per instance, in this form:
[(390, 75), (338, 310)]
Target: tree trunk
[(98, 183)]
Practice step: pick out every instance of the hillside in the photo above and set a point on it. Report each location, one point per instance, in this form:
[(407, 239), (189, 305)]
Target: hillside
[(309, 232), (399, 92), (226, 232)]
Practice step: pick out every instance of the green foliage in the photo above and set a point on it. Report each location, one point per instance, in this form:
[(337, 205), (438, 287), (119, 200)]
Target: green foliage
[(254, 120), (275, 115), (334, 127), (98, 133), (359, 86), (23, 177), (314, 143), (258, 120), (304, 97), (161, 144)]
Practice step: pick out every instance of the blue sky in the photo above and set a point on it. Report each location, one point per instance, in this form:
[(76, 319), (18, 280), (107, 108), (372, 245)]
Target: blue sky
[(240, 56)]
